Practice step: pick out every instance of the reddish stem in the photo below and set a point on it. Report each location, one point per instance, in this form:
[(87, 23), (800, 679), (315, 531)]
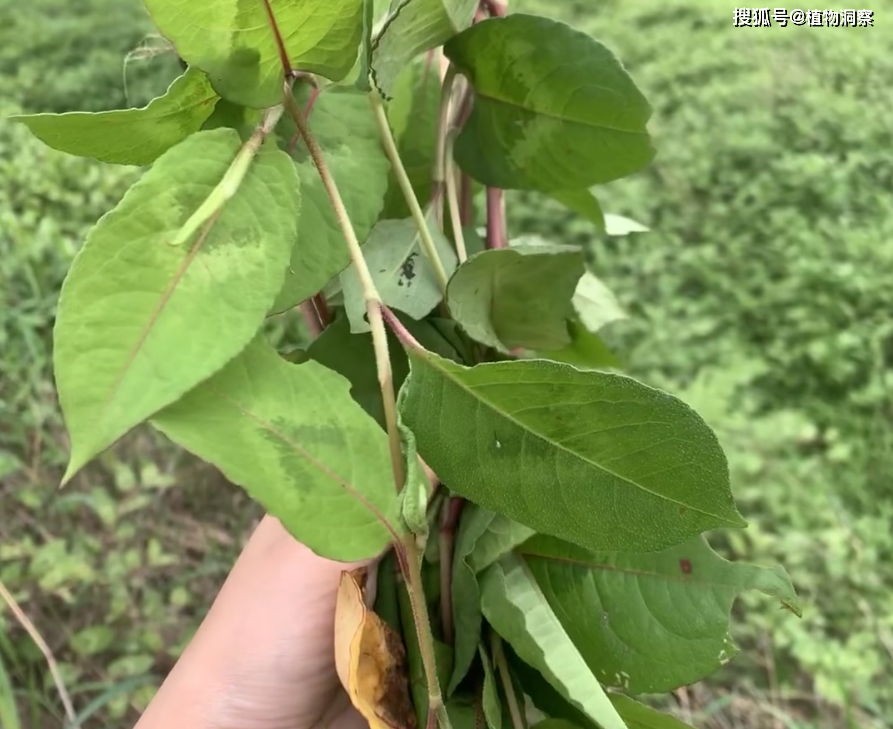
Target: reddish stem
[(494, 8), (311, 318), (280, 43), (406, 339), (308, 107), (322, 309), (496, 233)]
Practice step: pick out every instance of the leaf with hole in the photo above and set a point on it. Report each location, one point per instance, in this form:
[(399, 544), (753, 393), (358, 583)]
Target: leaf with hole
[(403, 275), (516, 609), (413, 27), (554, 108), (142, 321), (596, 458), (293, 438), (341, 121), (130, 136), (235, 44), (499, 299), (648, 623)]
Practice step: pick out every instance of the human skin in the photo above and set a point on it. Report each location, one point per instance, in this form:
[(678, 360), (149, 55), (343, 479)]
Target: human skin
[(263, 658)]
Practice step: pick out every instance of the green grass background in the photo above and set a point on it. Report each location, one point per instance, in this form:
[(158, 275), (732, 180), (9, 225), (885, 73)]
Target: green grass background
[(762, 295)]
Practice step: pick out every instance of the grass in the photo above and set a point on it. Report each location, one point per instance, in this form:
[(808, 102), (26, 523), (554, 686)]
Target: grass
[(747, 301)]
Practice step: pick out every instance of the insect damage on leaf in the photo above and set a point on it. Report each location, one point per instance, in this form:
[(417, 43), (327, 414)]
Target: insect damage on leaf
[(370, 659)]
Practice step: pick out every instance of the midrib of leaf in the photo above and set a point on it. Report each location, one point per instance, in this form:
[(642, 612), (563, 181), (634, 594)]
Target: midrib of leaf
[(555, 116), (157, 311), (576, 456), (321, 467)]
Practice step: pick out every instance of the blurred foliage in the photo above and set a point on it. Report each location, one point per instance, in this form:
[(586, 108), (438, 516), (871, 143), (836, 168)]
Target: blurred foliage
[(761, 296)]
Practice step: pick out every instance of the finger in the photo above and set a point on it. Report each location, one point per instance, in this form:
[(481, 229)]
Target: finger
[(265, 648)]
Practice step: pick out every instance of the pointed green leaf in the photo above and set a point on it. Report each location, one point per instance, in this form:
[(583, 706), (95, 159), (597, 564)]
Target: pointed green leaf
[(639, 716), (554, 109), (233, 41), (516, 609), (291, 436), (466, 592), (490, 694), (130, 136), (649, 623), (595, 303), (596, 458), (586, 350), (582, 202), (342, 123), (501, 537), (141, 321), (402, 273), (413, 27), (413, 116), (499, 298)]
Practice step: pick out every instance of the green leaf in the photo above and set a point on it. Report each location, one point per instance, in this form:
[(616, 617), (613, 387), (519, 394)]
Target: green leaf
[(413, 27), (402, 273), (130, 136), (233, 41), (595, 303), (586, 350), (416, 491), (554, 109), (413, 116), (141, 321), (363, 82), (490, 694), (499, 298), (353, 356), (501, 537), (516, 609), (649, 623), (466, 591), (639, 716), (596, 458), (292, 437), (582, 202), (342, 123)]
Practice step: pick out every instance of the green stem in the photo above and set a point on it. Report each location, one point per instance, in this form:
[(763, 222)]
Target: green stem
[(370, 293), (508, 687), (443, 126), (453, 199), (410, 560), (232, 179), (418, 216)]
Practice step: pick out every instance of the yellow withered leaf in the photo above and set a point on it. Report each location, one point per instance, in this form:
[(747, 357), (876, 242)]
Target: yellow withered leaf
[(370, 659)]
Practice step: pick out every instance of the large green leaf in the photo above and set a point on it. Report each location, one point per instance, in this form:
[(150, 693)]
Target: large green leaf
[(233, 41), (342, 124), (413, 116), (649, 623), (554, 108), (403, 275), (293, 438), (413, 27), (501, 537), (516, 609), (142, 321), (500, 299), (596, 458), (130, 136)]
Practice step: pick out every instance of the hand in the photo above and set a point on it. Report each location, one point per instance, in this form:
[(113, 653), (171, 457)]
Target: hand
[(264, 656)]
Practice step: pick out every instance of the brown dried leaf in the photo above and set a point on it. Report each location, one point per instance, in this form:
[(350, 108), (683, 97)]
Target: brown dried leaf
[(370, 659)]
